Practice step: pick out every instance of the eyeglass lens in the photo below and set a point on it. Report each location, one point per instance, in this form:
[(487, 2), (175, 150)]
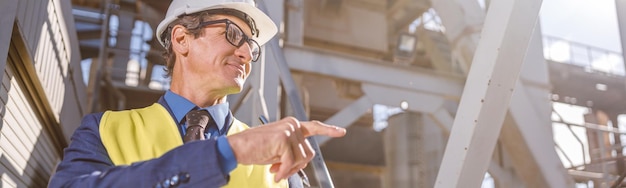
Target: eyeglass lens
[(236, 37)]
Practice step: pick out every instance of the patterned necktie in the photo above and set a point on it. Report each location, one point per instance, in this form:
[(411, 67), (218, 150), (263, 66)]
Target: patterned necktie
[(197, 121)]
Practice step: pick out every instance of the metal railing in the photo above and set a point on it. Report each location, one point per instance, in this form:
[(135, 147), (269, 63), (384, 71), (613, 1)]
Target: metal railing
[(592, 59), (596, 159)]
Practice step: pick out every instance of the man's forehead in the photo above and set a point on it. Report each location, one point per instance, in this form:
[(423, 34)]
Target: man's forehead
[(246, 20), (241, 23)]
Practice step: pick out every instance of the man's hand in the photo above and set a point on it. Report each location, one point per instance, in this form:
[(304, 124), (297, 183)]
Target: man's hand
[(282, 144)]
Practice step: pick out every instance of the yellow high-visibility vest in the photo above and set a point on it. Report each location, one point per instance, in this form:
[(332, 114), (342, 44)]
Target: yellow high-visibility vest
[(142, 134)]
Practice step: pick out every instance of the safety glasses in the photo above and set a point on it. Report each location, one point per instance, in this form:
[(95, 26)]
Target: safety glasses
[(236, 37)]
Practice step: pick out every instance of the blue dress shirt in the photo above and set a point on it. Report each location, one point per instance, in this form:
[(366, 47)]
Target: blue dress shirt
[(223, 119)]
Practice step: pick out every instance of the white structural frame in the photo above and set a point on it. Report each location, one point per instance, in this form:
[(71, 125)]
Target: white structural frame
[(620, 6), (425, 90), (491, 80), (342, 66)]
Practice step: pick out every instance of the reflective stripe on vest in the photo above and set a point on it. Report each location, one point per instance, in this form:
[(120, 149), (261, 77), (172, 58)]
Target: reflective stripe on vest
[(142, 134)]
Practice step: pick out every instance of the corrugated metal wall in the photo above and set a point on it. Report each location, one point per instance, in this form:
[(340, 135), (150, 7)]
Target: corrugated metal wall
[(27, 154), (39, 91), (45, 35)]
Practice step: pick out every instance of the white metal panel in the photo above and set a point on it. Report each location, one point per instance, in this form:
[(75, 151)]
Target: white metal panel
[(44, 31), (29, 18), (24, 145), (8, 11), (50, 37), (7, 181)]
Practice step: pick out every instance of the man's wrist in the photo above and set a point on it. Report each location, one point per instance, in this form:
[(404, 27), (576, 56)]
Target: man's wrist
[(228, 161)]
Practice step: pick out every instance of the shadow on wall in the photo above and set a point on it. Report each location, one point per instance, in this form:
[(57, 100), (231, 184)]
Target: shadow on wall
[(28, 156), (71, 96), (42, 73)]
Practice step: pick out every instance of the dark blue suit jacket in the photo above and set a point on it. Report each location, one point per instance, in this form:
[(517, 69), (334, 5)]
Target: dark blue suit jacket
[(87, 164)]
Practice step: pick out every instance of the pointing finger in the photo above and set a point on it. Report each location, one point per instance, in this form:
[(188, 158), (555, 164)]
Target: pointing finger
[(312, 128)]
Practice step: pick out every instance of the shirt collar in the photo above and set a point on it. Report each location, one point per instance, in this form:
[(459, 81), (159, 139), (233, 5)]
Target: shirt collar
[(180, 106)]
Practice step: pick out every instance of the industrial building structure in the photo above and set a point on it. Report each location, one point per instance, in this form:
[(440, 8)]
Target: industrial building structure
[(434, 93)]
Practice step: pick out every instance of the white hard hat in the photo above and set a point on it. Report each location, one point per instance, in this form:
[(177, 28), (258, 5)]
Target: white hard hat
[(265, 26)]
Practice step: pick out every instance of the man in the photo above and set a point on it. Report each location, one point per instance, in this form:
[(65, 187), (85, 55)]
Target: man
[(210, 45)]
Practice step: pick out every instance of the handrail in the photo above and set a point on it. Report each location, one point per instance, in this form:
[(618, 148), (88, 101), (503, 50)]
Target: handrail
[(591, 58), (580, 142)]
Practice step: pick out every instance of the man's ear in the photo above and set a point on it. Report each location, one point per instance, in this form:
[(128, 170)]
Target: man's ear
[(180, 39)]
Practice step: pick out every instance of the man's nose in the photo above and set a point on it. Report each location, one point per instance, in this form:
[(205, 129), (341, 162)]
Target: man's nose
[(244, 52)]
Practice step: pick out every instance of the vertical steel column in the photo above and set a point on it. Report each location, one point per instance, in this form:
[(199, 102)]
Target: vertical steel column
[(463, 20), (620, 6), (295, 22), (619, 152), (93, 104), (404, 158), (271, 78), (321, 171)]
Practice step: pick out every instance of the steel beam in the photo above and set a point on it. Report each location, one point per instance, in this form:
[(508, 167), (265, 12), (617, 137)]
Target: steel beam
[(417, 101), (620, 6), (404, 156), (295, 22), (537, 162), (463, 21), (371, 71), (528, 139), (321, 171), (443, 119), (348, 115), (271, 88), (503, 177), (495, 69)]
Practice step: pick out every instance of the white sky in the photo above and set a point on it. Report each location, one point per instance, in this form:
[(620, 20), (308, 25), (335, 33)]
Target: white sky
[(590, 22)]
